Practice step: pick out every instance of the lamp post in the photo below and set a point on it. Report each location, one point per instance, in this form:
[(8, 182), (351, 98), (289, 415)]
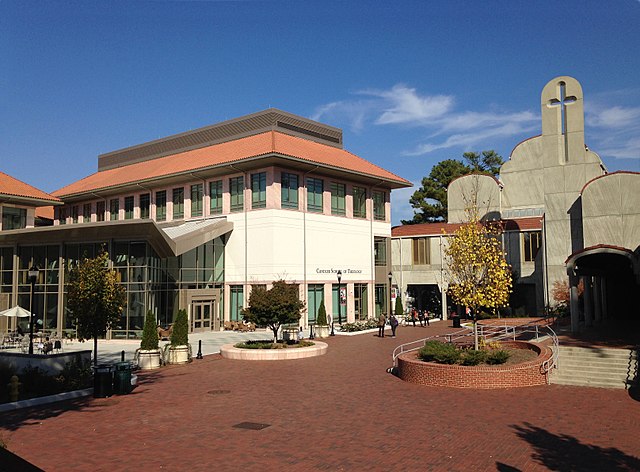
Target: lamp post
[(33, 277), (390, 290), (339, 274)]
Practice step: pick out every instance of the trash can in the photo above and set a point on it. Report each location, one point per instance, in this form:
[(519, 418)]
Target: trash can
[(122, 378), (456, 321), (102, 381)]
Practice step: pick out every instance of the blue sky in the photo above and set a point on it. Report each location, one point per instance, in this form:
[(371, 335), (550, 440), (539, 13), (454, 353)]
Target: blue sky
[(410, 83)]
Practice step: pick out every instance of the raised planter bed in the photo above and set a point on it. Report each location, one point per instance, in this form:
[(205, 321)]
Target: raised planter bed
[(527, 374), (229, 351)]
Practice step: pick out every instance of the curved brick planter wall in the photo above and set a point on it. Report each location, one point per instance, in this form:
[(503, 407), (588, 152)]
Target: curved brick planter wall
[(526, 374), (231, 352)]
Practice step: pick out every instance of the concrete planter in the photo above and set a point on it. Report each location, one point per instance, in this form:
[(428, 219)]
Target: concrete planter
[(322, 331), (149, 360), (178, 354)]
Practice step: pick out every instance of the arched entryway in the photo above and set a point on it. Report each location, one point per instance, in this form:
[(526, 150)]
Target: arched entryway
[(611, 279)]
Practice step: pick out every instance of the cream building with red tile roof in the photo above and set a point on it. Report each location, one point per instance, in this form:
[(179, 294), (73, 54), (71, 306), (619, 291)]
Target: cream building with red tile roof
[(197, 219)]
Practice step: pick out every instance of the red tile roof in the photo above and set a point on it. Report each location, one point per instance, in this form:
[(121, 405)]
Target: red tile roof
[(231, 152), (10, 186), (433, 229)]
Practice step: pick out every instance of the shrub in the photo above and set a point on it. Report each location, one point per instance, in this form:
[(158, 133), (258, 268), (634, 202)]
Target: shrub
[(180, 332), (267, 344), (321, 320), (149, 340), (359, 325), (76, 375), (498, 356), (471, 357), (442, 353)]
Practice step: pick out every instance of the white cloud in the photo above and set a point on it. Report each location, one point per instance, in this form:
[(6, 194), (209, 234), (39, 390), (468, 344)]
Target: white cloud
[(614, 117), (622, 149), (403, 105)]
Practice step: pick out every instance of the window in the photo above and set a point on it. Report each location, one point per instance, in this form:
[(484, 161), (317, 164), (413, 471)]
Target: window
[(128, 208), (314, 195), (86, 213), (378, 206), (382, 306), (178, 203), (74, 213), (360, 299), (289, 190), (380, 251), (338, 192), (339, 303), (421, 248), (531, 241), (15, 218), (259, 190), (315, 295), (145, 204), (359, 202), (196, 199), (236, 189), (100, 209), (161, 205), (215, 192), (114, 209), (62, 216), (236, 302)]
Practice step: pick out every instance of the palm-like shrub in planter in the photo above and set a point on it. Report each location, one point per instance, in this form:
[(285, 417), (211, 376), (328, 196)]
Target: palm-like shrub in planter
[(179, 350), (149, 356), (322, 328)]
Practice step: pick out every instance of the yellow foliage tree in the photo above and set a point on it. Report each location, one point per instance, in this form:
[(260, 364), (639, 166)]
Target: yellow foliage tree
[(479, 275)]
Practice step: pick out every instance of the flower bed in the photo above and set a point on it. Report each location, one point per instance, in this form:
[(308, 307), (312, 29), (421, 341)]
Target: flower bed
[(526, 374), (230, 351)]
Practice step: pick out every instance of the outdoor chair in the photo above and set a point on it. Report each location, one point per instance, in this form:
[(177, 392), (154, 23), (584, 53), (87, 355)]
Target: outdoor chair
[(24, 344)]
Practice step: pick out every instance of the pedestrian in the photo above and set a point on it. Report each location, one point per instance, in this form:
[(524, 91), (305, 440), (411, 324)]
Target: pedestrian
[(394, 324), (381, 322), (421, 318), (414, 316), (426, 316)]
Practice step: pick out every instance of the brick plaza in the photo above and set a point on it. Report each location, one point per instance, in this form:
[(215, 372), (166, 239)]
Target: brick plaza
[(341, 411)]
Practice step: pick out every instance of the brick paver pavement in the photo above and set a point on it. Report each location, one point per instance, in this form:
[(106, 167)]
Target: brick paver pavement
[(341, 411)]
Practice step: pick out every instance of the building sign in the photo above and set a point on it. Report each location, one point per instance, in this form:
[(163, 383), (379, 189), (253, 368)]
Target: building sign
[(335, 271)]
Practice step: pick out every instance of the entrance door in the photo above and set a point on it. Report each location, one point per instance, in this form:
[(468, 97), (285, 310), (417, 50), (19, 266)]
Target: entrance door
[(205, 317)]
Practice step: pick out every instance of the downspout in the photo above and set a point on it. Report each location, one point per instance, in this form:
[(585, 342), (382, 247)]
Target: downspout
[(304, 239), (545, 277)]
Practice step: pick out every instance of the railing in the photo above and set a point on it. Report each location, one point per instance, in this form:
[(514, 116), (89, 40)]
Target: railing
[(488, 333)]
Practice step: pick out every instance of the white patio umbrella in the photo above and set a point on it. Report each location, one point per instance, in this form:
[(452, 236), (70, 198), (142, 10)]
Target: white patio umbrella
[(16, 311)]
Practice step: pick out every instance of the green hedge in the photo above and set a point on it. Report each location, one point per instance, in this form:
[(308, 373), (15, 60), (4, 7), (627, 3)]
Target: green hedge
[(445, 353)]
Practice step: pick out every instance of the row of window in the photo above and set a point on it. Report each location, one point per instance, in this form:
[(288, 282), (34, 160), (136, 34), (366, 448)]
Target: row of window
[(421, 248), (289, 199)]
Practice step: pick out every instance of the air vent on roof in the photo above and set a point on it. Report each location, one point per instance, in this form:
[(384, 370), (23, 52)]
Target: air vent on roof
[(298, 129)]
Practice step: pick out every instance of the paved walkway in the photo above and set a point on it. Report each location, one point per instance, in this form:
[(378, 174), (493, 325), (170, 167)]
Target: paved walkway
[(340, 411)]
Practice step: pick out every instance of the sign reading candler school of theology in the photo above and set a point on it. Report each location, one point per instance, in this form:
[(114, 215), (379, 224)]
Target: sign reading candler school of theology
[(335, 271)]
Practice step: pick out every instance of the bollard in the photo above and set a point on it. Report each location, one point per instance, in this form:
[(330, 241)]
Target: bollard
[(311, 335), (332, 331), (122, 356), (14, 388), (199, 355)]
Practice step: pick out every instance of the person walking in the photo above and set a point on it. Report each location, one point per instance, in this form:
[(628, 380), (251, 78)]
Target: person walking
[(381, 322), (393, 321), (414, 316), (421, 318), (426, 316)]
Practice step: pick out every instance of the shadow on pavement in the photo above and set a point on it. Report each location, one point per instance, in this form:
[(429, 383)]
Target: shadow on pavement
[(13, 463), (563, 452)]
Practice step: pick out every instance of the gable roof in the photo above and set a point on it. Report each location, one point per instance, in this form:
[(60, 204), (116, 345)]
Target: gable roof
[(16, 190), (271, 143)]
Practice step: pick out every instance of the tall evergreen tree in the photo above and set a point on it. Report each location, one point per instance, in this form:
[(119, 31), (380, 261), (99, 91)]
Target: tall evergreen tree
[(430, 200)]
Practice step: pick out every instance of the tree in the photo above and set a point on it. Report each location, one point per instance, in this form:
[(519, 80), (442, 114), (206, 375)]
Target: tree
[(95, 298), (275, 307), (180, 332), (399, 311), (149, 340), (321, 319), (479, 275), (430, 200)]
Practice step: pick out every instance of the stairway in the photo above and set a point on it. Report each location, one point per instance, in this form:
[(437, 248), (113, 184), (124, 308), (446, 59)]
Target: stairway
[(596, 367)]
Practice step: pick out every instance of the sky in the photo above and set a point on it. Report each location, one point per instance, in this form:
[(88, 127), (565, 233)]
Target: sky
[(410, 83)]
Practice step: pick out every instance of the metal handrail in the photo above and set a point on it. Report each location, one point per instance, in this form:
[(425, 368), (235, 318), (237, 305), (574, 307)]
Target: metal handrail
[(496, 333)]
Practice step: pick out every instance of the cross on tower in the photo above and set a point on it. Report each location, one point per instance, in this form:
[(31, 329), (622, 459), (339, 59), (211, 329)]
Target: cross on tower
[(562, 102)]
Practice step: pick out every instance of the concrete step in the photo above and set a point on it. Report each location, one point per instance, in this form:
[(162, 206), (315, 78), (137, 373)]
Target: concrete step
[(620, 354), (581, 367), (590, 376), (589, 383)]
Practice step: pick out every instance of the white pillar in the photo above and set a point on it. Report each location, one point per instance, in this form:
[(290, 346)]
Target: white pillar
[(573, 303), (443, 297)]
